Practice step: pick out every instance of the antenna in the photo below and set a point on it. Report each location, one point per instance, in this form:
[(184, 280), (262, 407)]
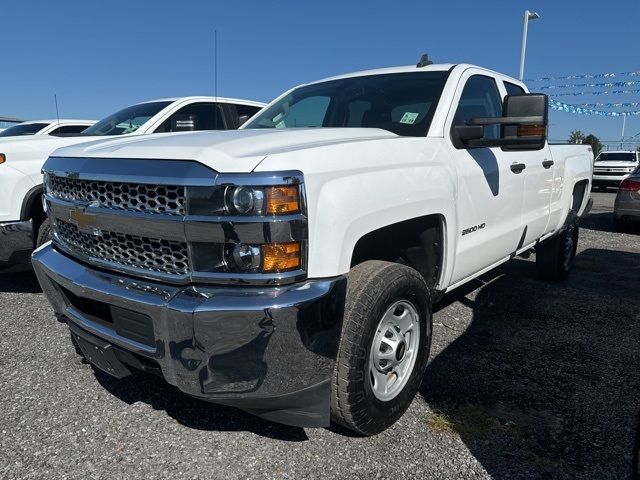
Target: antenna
[(424, 61), (215, 77), (55, 99)]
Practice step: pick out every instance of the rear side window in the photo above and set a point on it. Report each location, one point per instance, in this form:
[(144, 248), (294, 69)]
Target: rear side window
[(513, 89), (23, 129), (194, 117), (480, 99), (248, 110), (69, 130)]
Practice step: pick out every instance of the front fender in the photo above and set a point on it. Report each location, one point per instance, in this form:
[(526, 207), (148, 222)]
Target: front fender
[(356, 189)]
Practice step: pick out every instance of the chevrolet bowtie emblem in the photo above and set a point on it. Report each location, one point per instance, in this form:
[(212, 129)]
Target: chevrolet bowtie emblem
[(83, 220)]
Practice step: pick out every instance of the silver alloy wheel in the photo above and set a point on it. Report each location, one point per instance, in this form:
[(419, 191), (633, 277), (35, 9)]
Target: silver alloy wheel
[(394, 350)]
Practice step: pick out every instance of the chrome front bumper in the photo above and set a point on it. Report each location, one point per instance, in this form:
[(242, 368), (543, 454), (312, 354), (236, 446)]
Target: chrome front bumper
[(16, 242), (266, 350)]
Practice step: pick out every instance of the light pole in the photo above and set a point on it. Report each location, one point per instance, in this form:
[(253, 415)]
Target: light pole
[(527, 16)]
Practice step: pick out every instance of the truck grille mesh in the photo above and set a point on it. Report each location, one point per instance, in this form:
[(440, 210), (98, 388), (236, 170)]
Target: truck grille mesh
[(157, 199), (163, 256)]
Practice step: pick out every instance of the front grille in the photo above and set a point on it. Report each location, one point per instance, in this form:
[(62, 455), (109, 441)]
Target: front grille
[(162, 256), (615, 173), (157, 199)]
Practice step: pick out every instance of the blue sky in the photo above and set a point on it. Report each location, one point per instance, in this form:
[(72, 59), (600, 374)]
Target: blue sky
[(101, 56)]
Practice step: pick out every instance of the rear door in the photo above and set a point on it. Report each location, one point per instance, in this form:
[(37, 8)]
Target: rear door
[(489, 192), (537, 175)]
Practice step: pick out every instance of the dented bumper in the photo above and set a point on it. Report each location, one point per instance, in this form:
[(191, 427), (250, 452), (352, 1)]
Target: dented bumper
[(266, 350)]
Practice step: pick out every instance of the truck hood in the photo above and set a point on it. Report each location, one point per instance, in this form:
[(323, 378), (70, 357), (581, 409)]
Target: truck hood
[(238, 151), (615, 164)]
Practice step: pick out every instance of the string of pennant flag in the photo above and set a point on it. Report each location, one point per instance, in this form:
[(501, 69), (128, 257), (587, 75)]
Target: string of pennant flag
[(586, 75), (603, 92), (565, 107), (583, 85)]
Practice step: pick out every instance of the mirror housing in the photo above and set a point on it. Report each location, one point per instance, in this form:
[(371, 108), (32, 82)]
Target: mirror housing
[(242, 119), (524, 125)]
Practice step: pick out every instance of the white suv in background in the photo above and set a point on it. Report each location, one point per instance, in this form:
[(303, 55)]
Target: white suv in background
[(612, 167), (22, 218)]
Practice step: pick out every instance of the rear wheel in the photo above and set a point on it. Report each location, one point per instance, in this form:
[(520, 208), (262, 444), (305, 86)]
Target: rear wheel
[(386, 337), (554, 256)]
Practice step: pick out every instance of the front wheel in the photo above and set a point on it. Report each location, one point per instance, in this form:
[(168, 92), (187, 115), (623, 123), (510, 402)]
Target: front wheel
[(44, 233), (386, 337), (555, 255)]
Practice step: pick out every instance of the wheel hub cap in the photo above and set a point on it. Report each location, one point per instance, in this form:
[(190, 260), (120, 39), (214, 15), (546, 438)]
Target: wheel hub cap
[(394, 350)]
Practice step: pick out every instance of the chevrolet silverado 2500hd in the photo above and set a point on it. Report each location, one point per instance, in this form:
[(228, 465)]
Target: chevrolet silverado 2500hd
[(22, 219), (289, 268)]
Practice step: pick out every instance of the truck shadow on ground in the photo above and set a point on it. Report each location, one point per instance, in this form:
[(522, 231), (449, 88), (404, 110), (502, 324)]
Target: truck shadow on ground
[(22, 282), (544, 375), (191, 412)]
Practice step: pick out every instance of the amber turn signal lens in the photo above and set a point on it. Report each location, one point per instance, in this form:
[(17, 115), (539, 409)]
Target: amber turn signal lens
[(278, 257), (2, 158), (531, 130), (282, 200)]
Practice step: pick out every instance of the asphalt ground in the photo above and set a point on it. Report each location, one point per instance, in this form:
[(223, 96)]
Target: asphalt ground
[(526, 380)]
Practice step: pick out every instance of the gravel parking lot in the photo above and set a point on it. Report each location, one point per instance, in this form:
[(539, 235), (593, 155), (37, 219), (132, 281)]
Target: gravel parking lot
[(526, 380)]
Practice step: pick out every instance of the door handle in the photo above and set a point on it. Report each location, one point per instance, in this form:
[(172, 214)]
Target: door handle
[(547, 163), (517, 167)]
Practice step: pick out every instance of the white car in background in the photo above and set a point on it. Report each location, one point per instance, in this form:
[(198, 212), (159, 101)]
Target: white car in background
[(22, 218), (612, 167), (63, 126)]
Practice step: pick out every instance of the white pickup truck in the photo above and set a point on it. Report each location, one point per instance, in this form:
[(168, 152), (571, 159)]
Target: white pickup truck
[(22, 219), (63, 126), (289, 268), (610, 168)]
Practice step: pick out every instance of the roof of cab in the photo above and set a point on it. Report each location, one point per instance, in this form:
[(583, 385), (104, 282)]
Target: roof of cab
[(205, 98)]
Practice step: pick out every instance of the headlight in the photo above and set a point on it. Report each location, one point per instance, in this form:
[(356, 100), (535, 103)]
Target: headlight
[(278, 200), (3, 158), (266, 258)]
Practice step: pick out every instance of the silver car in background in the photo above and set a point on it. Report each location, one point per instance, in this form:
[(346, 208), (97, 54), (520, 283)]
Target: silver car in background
[(627, 205)]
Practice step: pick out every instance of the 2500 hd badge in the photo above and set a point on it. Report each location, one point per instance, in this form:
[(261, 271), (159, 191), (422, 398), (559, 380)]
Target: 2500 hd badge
[(473, 229)]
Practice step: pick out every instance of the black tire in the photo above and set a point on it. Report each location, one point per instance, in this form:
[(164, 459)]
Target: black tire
[(372, 287), (44, 233), (554, 256), (78, 350), (620, 225)]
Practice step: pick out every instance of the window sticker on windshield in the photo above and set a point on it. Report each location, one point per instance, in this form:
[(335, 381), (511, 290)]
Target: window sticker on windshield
[(409, 117)]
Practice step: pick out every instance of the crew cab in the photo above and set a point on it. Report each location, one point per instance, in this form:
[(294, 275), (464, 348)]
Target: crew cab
[(289, 268), (63, 126), (613, 166), (22, 218)]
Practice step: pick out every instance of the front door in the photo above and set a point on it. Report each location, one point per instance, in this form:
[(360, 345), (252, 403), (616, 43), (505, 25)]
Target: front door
[(489, 190)]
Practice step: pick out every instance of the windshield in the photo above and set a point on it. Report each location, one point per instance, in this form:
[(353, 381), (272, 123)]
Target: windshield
[(23, 129), (617, 157), (402, 103), (127, 120)]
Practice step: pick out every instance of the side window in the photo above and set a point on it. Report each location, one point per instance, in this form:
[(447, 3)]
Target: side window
[(480, 98), (247, 110), (197, 116), (513, 89), (69, 130)]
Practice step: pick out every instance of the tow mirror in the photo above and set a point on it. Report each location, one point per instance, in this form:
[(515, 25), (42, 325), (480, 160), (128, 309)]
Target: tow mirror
[(184, 123), (524, 125)]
